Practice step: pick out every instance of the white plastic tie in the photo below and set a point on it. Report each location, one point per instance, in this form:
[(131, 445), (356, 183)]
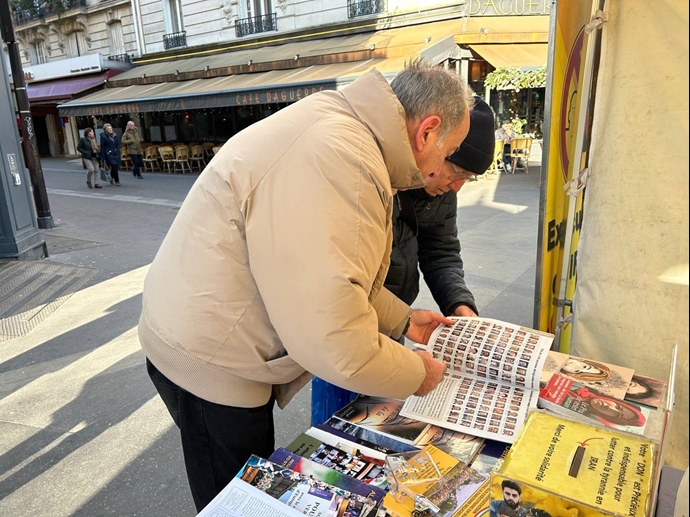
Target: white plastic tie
[(599, 18), (578, 184)]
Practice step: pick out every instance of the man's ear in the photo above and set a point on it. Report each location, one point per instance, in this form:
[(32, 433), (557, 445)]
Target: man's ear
[(427, 127)]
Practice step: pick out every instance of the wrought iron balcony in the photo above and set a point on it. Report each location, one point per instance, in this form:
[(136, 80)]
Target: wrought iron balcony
[(124, 58), (45, 9), (256, 24), (359, 8), (175, 40)]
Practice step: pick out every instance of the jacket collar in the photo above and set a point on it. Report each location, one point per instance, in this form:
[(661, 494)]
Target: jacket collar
[(375, 104)]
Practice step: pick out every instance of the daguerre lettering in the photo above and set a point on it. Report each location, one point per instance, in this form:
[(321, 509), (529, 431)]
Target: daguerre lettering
[(508, 7), (238, 99), (284, 95)]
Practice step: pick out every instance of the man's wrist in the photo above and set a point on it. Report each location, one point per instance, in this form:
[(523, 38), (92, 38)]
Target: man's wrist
[(407, 325)]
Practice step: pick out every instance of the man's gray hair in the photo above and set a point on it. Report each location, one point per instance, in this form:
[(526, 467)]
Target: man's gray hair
[(425, 90)]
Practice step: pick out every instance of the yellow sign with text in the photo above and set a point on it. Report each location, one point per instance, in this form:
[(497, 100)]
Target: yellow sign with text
[(567, 100)]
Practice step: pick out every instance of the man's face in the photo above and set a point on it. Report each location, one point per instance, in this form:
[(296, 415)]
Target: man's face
[(511, 497), (447, 177), (130, 125), (433, 151)]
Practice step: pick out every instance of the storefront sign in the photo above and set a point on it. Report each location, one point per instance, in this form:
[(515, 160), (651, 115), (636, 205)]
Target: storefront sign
[(218, 100), (509, 7), (112, 109), (274, 96)]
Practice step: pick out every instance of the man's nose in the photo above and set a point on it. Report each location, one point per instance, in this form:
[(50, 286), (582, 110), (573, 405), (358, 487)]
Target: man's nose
[(457, 185)]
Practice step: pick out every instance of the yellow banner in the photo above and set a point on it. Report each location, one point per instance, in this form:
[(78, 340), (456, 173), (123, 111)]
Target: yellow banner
[(569, 46)]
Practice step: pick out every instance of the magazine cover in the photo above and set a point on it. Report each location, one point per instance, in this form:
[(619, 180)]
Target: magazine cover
[(492, 379), (607, 379), (359, 491), (306, 495), (566, 468), (645, 390), (579, 402), (381, 415), (381, 441), (462, 446), (351, 445)]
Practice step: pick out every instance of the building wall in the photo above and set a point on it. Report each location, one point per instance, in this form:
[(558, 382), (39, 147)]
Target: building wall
[(209, 22), (93, 19)]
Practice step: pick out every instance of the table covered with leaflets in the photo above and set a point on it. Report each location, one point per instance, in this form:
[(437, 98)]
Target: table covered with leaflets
[(514, 429)]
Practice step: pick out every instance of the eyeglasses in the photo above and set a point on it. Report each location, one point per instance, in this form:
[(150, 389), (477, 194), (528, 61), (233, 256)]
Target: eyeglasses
[(459, 174)]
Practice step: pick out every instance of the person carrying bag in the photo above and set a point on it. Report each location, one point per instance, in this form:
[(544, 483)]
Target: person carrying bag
[(110, 152)]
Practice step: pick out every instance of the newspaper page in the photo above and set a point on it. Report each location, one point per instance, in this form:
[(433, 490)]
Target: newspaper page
[(492, 379), (240, 499)]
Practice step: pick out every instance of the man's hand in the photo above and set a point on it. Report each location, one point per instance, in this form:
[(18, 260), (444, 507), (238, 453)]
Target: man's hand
[(423, 323), (434, 373), (464, 311)]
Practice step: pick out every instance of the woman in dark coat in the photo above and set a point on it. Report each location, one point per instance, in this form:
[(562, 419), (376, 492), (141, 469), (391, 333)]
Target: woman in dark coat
[(110, 151)]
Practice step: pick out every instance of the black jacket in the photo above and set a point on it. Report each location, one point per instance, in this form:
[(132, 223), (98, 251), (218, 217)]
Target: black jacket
[(425, 233), (110, 149), (84, 147)]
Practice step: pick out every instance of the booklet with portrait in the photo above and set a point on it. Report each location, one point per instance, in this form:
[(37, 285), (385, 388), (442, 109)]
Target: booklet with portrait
[(492, 379)]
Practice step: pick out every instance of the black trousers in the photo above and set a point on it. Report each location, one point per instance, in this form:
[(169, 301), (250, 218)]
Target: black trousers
[(115, 173), (217, 440), (137, 162)]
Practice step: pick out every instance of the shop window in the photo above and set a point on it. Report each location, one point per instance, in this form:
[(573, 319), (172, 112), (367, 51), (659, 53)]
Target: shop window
[(169, 130), (203, 127), (116, 40), (223, 125)]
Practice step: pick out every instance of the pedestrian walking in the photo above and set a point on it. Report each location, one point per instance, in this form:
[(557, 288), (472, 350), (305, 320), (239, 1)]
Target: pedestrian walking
[(110, 152), (90, 151), (131, 139)]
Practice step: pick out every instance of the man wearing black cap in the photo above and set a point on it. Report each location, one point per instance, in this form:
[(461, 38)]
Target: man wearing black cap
[(425, 224)]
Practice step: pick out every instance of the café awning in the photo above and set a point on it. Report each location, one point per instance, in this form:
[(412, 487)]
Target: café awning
[(64, 89), (235, 90), (524, 55)]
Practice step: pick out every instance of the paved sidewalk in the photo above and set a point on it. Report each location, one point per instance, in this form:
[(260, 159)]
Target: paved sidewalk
[(81, 430)]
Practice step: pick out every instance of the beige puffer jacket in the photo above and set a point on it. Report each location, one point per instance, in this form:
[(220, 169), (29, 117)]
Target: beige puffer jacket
[(275, 263)]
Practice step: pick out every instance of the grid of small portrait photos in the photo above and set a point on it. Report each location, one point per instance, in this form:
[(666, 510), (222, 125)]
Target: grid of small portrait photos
[(490, 350), (488, 406), (497, 367)]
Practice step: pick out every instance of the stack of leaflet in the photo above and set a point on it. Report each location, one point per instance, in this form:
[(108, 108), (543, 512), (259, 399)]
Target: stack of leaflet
[(466, 426)]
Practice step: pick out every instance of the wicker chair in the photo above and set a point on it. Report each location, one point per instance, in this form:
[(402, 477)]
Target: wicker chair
[(181, 159), (197, 156), (167, 154), (125, 159), (151, 158)]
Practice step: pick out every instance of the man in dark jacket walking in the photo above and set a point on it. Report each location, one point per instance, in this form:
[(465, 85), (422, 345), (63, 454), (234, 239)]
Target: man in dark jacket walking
[(425, 232)]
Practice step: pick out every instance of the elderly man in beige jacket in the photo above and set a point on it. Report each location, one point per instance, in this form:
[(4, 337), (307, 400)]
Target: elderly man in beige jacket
[(273, 268)]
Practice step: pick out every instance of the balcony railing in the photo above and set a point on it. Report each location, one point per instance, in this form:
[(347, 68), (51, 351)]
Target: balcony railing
[(123, 58), (359, 8), (45, 9), (256, 24), (175, 40)]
